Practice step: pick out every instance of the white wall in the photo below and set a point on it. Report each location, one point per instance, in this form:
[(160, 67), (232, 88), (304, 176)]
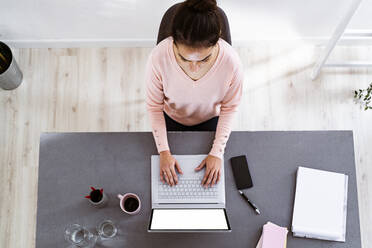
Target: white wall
[(56, 23)]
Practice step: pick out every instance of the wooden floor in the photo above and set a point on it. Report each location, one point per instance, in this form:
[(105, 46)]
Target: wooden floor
[(102, 89)]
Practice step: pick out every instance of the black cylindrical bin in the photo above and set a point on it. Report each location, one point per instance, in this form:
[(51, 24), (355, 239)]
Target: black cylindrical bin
[(10, 74)]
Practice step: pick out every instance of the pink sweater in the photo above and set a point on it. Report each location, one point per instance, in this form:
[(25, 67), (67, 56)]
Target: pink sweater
[(190, 102)]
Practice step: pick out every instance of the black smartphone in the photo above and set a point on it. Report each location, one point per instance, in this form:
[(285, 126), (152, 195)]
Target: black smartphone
[(241, 172)]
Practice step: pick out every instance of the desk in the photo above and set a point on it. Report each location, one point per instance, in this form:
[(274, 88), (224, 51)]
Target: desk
[(70, 163)]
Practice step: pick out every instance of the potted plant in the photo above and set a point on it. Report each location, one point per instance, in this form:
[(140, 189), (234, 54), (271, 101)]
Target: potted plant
[(10, 74), (363, 96)]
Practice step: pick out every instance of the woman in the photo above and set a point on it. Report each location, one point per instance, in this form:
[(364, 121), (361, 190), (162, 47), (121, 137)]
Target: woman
[(193, 82)]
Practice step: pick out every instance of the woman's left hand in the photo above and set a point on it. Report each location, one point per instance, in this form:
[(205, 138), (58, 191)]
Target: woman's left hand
[(212, 170)]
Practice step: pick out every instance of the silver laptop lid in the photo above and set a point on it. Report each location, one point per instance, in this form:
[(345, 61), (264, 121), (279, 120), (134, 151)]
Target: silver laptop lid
[(189, 220)]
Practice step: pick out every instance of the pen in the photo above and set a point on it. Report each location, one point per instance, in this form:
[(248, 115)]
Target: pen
[(250, 203)]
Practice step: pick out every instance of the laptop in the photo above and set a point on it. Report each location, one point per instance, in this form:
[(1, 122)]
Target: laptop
[(187, 206)]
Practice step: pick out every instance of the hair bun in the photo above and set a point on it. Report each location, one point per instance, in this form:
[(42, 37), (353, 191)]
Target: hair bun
[(202, 5)]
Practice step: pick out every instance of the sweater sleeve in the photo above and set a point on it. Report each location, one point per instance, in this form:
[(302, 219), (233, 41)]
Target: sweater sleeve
[(155, 105), (229, 106)]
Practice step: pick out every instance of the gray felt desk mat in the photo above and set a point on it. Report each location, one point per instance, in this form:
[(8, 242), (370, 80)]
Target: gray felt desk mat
[(120, 162)]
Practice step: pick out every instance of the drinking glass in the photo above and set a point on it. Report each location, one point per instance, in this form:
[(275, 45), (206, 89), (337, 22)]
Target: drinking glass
[(79, 236), (106, 229)]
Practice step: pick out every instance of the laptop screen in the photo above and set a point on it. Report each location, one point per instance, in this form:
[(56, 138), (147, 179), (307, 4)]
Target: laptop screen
[(189, 220)]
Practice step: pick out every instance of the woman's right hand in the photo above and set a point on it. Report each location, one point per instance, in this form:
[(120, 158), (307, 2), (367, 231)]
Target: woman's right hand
[(168, 165)]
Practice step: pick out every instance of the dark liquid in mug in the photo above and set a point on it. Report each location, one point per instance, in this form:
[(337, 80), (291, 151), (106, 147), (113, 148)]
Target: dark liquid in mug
[(131, 204), (96, 196)]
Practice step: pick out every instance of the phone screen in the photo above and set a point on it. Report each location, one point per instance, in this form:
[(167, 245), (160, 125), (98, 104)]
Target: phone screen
[(241, 172)]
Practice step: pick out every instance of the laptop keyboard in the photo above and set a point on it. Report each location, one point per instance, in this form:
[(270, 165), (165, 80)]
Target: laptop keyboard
[(187, 188)]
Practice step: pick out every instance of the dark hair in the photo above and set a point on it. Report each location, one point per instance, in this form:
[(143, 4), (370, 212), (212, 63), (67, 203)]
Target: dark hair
[(197, 24)]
